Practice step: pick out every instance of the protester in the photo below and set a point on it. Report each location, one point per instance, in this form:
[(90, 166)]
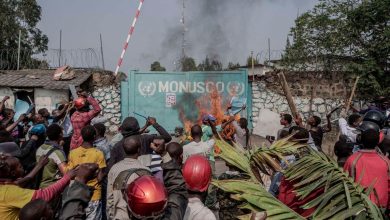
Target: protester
[(53, 150), (86, 153), (13, 197), (197, 146), (62, 118), (241, 131), (36, 209), (48, 119), (78, 194), (82, 116), (101, 141), (103, 145), (378, 104), (163, 201), (29, 149), (197, 175), (343, 149), (131, 127), (175, 151), (128, 167), (179, 136), (368, 167), (286, 121), (316, 131), (349, 129)]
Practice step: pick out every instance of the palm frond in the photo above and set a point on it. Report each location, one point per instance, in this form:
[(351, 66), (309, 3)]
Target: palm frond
[(257, 198), (236, 156), (341, 198), (268, 160)]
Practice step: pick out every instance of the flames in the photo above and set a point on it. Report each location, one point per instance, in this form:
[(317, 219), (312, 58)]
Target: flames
[(209, 103)]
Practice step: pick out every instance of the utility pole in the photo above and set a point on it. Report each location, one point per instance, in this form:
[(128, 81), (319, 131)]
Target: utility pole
[(101, 50), (20, 35), (253, 64), (59, 55), (269, 51), (183, 43)]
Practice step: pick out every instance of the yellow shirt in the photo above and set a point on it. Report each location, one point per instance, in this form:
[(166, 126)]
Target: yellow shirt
[(12, 199), (82, 155)]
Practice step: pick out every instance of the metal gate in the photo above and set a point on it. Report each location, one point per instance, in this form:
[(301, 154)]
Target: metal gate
[(181, 98)]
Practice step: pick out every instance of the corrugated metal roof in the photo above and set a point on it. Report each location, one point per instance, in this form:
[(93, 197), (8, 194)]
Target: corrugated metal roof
[(39, 79)]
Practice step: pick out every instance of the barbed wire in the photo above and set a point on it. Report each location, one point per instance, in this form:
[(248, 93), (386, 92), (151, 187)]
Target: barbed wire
[(52, 58)]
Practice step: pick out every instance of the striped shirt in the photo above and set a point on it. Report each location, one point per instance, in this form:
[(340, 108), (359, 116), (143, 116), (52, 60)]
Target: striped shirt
[(155, 164)]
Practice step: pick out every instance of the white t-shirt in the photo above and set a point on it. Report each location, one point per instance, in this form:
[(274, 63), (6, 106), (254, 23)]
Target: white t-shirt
[(202, 148), (196, 210)]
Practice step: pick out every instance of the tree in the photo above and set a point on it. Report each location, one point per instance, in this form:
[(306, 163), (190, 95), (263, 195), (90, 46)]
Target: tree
[(210, 65), (345, 35), (21, 16), (249, 61), (188, 64), (156, 66), (232, 66)]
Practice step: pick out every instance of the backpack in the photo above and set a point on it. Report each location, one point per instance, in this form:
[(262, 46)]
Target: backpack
[(38, 177)]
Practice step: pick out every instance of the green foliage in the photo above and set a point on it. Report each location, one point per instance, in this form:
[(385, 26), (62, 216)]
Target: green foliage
[(341, 198), (249, 61), (21, 15), (232, 66), (210, 65), (188, 64), (347, 35), (156, 66), (257, 199), (338, 196)]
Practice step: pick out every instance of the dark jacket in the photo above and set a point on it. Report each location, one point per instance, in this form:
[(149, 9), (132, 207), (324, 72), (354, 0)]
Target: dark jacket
[(117, 152), (27, 154), (75, 199), (177, 191)]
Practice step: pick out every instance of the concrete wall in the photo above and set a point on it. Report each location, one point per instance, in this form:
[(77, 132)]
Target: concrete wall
[(267, 95)]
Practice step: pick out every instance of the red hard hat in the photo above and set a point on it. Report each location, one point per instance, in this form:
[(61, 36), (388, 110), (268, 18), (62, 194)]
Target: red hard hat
[(79, 103), (146, 197), (197, 173)]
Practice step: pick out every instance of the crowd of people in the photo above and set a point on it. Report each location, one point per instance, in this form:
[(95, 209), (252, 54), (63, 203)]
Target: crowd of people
[(62, 166)]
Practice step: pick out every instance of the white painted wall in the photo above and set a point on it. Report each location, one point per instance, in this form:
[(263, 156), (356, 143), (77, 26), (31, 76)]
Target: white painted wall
[(5, 91), (45, 98)]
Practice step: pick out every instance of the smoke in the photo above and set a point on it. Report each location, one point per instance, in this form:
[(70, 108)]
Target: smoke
[(214, 28), (228, 30)]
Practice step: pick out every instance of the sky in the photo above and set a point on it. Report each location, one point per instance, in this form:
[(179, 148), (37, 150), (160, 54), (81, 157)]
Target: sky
[(225, 29)]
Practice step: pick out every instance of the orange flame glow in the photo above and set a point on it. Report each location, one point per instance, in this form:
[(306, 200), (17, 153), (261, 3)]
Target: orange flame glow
[(211, 103)]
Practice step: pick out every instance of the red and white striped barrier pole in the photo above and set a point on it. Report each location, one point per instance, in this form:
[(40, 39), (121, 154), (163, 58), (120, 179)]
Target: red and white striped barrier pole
[(129, 36)]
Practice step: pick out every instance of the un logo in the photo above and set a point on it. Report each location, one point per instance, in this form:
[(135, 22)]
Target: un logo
[(235, 88), (147, 88)]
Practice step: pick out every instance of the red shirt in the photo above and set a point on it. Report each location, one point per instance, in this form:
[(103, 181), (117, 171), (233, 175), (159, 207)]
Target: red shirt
[(373, 167), (80, 120)]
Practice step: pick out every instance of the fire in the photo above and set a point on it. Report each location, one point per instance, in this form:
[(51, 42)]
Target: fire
[(211, 103)]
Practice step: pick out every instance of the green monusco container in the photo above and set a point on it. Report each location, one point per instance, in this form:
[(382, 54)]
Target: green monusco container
[(177, 97)]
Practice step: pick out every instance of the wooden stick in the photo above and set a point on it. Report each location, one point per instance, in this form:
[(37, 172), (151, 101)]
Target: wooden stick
[(287, 93), (348, 104)]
